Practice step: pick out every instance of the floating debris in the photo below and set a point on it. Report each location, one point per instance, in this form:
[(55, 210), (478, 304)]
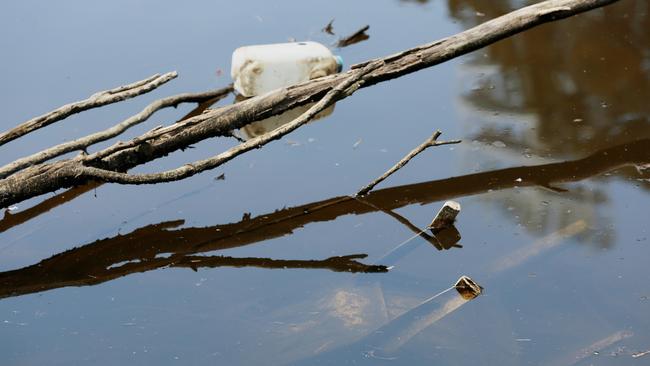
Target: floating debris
[(356, 144), (640, 354), (356, 37), (329, 29), (292, 143), (387, 340), (596, 348), (467, 288), (445, 217), (221, 177), (258, 69)]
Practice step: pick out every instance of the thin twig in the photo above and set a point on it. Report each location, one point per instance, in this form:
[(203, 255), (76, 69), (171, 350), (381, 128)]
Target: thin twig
[(84, 142), (431, 141), (96, 100), (347, 87)]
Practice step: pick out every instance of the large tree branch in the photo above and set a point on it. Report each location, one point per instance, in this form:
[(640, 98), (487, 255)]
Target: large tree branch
[(44, 178), (96, 100), (346, 87)]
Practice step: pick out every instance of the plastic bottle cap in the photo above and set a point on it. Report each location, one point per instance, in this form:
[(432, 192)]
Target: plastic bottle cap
[(339, 63)]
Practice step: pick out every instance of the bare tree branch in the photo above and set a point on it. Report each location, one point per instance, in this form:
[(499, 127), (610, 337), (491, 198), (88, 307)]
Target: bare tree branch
[(84, 142), (347, 87), (40, 179), (431, 141), (96, 100)]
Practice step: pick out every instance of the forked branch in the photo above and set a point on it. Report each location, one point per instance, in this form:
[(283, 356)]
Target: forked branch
[(94, 101)]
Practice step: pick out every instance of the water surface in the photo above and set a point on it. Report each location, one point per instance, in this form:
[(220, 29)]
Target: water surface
[(552, 177)]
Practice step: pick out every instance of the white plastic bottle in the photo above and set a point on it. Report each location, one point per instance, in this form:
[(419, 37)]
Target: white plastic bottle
[(256, 70)]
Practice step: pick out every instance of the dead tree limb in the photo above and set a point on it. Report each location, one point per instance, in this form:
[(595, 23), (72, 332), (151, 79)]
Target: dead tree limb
[(347, 86), (94, 101), (84, 142), (43, 178), (431, 141), (353, 38)]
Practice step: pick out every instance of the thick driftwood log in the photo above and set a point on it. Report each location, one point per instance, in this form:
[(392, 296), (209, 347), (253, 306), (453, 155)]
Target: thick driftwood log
[(45, 178), (94, 101)]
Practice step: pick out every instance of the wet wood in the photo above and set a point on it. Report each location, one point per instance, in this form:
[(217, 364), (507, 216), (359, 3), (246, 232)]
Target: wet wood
[(37, 180)]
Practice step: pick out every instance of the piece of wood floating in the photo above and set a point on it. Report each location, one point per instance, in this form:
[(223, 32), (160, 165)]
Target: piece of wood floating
[(445, 217)]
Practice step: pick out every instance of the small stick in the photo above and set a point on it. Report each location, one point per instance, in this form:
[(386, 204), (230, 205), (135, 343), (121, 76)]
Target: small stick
[(96, 100), (355, 37), (431, 141), (346, 87), (329, 29), (84, 142)]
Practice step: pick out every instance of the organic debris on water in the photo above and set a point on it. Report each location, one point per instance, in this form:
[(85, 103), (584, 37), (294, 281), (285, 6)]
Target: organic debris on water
[(356, 37)]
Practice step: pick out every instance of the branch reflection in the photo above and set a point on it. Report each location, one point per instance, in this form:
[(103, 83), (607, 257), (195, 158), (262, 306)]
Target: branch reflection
[(157, 246)]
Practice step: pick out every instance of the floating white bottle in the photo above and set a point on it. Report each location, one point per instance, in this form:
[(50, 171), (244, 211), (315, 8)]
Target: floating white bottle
[(256, 70)]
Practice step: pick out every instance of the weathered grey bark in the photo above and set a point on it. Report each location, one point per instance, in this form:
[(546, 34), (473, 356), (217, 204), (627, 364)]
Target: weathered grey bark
[(94, 101), (44, 178)]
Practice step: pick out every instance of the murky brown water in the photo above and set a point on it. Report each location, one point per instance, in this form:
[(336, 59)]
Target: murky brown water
[(552, 176)]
